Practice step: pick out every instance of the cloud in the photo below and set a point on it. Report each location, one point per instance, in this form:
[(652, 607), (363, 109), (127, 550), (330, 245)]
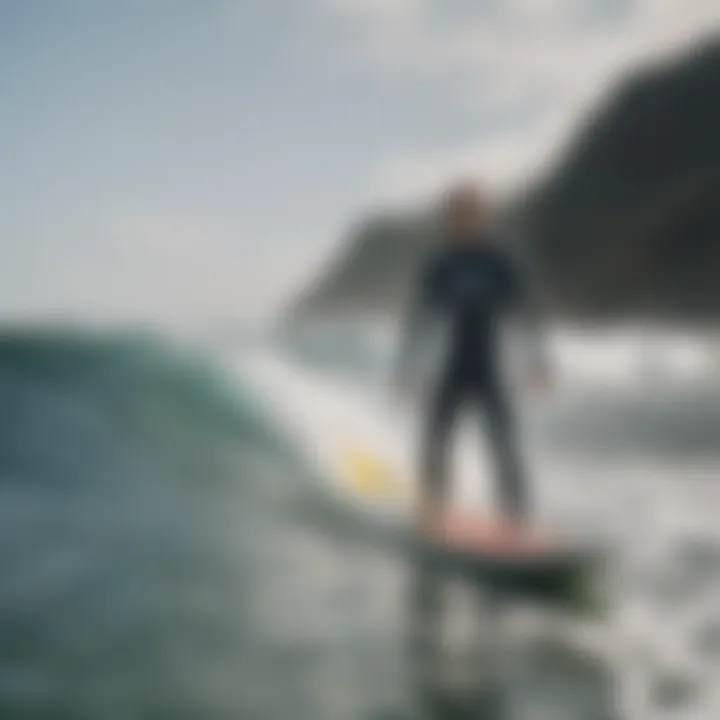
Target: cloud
[(501, 160), (563, 55)]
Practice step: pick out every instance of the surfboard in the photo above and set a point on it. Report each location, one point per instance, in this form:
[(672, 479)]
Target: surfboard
[(520, 560), (366, 468), (473, 545)]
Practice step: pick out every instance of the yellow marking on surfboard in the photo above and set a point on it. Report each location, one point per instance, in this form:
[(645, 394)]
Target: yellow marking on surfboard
[(368, 474)]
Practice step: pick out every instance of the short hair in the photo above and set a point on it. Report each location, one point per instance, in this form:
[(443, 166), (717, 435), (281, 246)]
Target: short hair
[(461, 194)]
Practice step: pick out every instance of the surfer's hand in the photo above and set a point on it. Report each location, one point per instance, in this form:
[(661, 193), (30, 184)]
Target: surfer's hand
[(541, 381)]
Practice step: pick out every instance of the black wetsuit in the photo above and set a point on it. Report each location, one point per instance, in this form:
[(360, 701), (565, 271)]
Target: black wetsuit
[(471, 286)]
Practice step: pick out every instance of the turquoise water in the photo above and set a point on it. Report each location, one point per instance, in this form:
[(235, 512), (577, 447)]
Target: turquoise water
[(163, 555)]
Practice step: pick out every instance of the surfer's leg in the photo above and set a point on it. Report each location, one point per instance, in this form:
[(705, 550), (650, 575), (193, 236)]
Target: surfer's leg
[(511, 482), (443, 408)]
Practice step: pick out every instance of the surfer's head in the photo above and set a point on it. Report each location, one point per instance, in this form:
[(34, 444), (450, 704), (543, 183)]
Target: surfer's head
[(465, 212)]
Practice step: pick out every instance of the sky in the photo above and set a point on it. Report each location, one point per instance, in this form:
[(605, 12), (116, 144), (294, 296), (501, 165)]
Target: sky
[(191, 161)]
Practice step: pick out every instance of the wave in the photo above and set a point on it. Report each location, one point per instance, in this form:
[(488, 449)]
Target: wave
[(142, 531), (68, 397), (156, 561)]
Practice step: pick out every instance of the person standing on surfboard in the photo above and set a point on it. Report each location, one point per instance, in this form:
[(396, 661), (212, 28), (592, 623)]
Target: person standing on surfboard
[(471, 283)]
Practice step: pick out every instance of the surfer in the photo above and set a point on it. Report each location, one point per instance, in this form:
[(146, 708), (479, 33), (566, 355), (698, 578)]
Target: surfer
[(472, 283)]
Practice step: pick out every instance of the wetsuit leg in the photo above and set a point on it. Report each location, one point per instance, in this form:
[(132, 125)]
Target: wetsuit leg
[(511, 483), (445, 403)]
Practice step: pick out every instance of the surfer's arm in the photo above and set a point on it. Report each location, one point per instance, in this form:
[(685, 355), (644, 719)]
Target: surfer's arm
[(415, 321), (528, 305)]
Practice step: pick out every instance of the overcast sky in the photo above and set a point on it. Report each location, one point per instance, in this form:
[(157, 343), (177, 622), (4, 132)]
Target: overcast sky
[(191, 159)]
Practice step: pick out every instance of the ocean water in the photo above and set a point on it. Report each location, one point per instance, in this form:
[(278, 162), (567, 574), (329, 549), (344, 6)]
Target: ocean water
[(167, 548)]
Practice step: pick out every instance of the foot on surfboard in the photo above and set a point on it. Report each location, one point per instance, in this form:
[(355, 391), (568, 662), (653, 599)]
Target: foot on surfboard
[(465, 531)]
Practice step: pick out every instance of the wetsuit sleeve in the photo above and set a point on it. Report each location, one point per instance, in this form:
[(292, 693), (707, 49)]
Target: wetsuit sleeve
[(526, 303), (423, 300)]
